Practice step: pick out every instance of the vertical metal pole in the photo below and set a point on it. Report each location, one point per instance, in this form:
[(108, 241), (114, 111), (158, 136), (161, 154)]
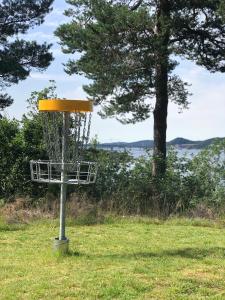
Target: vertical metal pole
[(63, 177)]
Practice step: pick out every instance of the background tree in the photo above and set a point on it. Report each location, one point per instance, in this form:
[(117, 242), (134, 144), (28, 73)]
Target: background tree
[(17, 56), (20, 142), (129, 50)]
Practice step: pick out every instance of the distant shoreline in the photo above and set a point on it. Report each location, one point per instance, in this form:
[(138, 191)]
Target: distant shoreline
[(180, 143)]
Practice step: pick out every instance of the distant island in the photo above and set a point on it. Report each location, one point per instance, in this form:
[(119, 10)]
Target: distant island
[(179, 142)]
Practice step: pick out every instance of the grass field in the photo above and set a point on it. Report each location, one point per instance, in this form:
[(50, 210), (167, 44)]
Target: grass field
[(127, 258)]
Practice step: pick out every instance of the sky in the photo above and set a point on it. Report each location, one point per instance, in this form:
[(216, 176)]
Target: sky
[(204, 119)]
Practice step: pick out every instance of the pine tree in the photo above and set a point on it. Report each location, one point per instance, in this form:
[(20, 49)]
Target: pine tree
[(129, 50), (17, 56)]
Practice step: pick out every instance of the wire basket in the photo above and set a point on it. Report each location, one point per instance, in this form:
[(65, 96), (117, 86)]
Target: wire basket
[(80, 172), (66, 126)]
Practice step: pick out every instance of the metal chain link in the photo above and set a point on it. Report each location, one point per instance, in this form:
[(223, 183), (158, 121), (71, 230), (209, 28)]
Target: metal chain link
[(78, 135)]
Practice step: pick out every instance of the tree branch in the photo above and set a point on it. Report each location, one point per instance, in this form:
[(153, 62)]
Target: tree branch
[(136, 5)]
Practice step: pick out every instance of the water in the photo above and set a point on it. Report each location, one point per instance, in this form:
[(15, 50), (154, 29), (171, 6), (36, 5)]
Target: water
[(138, 152)]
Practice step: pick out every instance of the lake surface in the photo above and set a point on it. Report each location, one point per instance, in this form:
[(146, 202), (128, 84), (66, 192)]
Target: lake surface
[(137, 152)]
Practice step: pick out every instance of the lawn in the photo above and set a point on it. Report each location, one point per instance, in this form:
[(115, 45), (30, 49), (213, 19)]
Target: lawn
[(124, 258)]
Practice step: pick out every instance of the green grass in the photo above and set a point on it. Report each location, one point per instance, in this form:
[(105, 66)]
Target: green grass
[(127, 258)]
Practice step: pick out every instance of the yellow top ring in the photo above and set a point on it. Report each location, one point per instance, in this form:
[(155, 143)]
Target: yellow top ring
[(58, 105)]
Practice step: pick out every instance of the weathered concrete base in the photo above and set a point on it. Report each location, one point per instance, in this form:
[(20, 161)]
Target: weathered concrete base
[(61, 246)]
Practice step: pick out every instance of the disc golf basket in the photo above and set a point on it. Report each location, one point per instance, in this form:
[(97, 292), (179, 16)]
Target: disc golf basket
[(66, 126)]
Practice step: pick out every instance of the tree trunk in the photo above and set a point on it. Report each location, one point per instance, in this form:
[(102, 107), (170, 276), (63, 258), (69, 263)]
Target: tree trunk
[(160, 121), (161, 86)]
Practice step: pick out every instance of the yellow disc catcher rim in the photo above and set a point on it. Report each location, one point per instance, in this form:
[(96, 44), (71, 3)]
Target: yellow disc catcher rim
[(58, 105)]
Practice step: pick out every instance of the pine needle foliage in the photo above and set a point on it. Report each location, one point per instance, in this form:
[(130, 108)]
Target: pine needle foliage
[(130, 49), (17, 55)]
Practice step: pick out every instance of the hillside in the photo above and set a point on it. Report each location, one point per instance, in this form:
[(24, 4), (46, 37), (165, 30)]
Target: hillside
[(138, 144), (177, 142)]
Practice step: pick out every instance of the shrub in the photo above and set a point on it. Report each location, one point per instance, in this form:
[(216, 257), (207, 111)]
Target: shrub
[(124, 184)]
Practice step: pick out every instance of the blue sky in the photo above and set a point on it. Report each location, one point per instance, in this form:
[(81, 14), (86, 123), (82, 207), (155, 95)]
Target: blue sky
[(204, 119)]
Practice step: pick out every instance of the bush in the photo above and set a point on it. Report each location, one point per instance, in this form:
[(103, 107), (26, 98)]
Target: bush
[(124, 184)]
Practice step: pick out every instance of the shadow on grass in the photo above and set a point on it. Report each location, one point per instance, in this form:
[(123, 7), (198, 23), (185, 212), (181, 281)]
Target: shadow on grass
[(190, 253), (75, 253), (197, 253)]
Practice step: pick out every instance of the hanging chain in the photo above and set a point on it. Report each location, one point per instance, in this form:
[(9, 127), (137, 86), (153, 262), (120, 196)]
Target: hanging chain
[(84, 132), (88, 130), (78, 135)]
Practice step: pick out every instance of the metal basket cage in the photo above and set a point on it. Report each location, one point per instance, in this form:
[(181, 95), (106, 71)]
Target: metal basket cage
[(80, 172)]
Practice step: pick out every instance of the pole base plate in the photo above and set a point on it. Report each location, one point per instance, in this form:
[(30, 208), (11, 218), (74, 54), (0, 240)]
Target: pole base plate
[(61, 246)]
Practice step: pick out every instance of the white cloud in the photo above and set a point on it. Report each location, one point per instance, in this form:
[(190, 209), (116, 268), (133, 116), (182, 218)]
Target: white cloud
[(205, 117), (53, 24), (52, 76), (56, 51), (57, 11), (39, 35), (76, 93)]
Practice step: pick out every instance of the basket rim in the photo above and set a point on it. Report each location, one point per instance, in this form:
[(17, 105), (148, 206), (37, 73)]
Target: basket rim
[(65, 105)]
